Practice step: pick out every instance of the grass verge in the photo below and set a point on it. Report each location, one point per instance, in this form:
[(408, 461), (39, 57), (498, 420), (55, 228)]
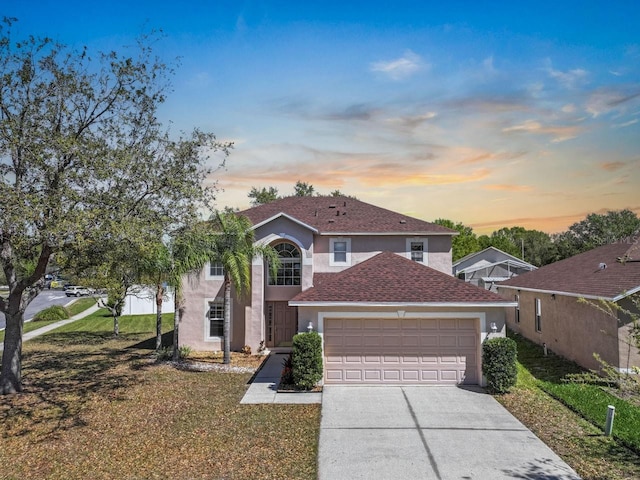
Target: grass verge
[(99, 407), (572, 436), (80, 305)]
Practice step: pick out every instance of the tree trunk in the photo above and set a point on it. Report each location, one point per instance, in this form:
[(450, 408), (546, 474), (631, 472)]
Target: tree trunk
[(116, 324), (226, 329), (176, 326), (11, 377), (159, 295)]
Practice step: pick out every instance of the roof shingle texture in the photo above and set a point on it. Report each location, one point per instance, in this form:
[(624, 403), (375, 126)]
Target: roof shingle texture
[(390, 278), (582, 275), (343, 215)]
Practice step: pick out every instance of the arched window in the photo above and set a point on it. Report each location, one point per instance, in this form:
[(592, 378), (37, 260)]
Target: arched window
[(289, 271)]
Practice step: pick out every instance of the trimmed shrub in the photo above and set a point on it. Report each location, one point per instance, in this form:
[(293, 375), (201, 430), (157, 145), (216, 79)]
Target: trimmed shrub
[(52, 314), (499, 364), (306, 360)]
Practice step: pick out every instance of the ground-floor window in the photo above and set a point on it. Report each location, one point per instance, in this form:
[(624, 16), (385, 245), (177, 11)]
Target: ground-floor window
[(216, 318), (538, 315)]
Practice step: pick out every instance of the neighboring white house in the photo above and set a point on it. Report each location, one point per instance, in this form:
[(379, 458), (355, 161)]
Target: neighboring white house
[(141, 300), (489, 266)]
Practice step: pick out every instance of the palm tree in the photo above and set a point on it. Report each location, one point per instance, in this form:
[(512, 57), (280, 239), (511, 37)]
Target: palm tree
[(235, 250)]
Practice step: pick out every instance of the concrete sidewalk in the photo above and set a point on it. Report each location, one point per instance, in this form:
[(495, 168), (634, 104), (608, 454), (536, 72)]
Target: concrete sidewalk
[(53, 326), (263, 388)]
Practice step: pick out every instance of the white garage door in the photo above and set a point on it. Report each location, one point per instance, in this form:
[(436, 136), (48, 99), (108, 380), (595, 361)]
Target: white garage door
[(424, 351)]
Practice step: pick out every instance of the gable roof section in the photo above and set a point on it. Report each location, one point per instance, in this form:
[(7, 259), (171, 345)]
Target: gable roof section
[(581, 275), (512, 258), (389, 278), (342, 215)]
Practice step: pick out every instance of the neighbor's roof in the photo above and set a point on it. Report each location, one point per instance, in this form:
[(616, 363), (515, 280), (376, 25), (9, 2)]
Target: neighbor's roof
[(336, 215), (508, 256), (582, 275), (388, 278)]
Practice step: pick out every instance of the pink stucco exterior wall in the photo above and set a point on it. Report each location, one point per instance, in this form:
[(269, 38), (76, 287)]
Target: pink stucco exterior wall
[(572, 329), (248, 326)]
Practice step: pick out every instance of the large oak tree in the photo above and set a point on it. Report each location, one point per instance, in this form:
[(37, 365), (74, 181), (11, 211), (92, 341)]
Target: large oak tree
[(82, 155)]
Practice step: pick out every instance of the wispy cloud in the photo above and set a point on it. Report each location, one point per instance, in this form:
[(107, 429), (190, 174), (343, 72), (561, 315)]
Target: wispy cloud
[(604, 101), (508, 188), (400, 68), (569, 78), (612, 166), (558, 132), (625, 124)]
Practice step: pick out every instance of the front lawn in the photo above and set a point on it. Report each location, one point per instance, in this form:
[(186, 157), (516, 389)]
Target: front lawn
[(99, 407), (539, 399)]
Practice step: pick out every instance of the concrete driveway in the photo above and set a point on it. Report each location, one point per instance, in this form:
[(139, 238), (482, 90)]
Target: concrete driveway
[(416, 432)]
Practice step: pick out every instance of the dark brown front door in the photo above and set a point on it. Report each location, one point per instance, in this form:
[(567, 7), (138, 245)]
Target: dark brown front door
[(282, 323)]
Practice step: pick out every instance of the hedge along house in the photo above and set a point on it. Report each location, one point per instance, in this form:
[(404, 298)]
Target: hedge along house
[(549, 312), (376, 285)]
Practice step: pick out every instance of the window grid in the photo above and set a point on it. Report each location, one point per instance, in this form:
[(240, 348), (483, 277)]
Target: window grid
[(216, 269), (340, 251), (289, 273), (216, 318), (417, 251)]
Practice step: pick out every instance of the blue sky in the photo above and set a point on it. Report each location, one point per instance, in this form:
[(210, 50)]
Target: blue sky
[(490, 113)]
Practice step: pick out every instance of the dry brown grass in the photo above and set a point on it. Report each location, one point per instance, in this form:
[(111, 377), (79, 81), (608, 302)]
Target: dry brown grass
[(103, 410)]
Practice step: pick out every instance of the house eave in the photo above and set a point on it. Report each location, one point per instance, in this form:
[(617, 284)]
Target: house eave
[(404, 304), (399, 234), (568, 294)]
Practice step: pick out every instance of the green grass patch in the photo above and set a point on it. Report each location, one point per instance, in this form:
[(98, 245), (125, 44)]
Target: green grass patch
[(80, 305), (589, 401)]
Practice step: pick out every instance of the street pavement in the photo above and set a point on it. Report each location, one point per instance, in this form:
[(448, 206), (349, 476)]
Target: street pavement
[(45, 299)]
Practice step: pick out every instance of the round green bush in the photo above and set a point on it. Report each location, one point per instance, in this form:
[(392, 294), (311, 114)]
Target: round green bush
[(52, 314), (499, 356), (306, 360)]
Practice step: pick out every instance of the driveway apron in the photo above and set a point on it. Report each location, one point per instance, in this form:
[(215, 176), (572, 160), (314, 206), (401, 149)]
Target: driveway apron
[(439, 433)]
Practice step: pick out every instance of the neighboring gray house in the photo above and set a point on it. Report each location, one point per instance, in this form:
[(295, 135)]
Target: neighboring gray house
[(375, 284), (489, 266)]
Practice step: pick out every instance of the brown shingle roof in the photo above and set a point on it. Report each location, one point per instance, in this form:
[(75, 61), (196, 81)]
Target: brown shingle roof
[(390, 278), (343, 215), (582, 275)]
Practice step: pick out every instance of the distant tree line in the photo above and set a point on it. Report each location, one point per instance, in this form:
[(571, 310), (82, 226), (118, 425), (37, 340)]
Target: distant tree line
[(540, 248)]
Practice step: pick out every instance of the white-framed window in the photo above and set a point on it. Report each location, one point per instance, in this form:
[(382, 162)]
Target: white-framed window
[(517, 299), (340, 251), (215, 318), (290, 271), (214, 270), (538, 315), (417, 250)]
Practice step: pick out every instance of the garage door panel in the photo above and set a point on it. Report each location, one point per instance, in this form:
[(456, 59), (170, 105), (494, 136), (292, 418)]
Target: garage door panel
[(429, 340), (429, 351)]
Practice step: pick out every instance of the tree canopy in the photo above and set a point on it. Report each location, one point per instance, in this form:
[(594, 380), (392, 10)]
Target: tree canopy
[(83, 156)]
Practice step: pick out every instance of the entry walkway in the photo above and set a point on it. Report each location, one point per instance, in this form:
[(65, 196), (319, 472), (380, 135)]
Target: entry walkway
[(264, 386)]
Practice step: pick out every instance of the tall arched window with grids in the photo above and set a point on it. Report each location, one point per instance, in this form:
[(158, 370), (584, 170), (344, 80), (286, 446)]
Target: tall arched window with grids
[(290, 271)]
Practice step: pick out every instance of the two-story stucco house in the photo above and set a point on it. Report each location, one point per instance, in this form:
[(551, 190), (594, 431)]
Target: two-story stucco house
[(376, 285)]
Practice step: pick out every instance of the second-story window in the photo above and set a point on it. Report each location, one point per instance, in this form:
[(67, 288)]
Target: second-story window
[(340, 252), (417, 251), (216, 269), (289, 273)]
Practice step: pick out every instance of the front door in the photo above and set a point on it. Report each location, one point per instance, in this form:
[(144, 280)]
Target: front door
[(282, 324)]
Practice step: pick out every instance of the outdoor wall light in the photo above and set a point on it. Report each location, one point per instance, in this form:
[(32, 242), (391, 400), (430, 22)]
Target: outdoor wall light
[(310, 327), (494, 327)]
